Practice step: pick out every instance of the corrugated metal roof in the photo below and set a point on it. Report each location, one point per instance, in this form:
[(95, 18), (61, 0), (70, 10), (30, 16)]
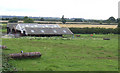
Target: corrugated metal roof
[(47, 31), (22, 26), (34, 28)]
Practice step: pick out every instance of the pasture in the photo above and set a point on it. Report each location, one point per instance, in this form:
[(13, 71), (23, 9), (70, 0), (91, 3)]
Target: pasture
[(84, 53)]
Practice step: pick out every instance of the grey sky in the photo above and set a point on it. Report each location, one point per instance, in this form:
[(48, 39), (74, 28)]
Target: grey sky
[(88, 9)]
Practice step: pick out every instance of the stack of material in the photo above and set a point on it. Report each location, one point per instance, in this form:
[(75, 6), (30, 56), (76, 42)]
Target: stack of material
[(25, 55), (2, 47), (77, 35), (106, 38)]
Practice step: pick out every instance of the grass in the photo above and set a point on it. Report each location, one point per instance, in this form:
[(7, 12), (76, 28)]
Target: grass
[(83, 53)]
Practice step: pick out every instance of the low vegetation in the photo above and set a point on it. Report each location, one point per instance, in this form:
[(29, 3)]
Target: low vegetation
[(94, 30), (83, 53)]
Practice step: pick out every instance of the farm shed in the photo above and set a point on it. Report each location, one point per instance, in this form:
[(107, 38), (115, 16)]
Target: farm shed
[(34, 29)]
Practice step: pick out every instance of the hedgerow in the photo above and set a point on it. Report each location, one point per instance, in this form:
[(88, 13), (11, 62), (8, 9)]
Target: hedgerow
[(94, 30)]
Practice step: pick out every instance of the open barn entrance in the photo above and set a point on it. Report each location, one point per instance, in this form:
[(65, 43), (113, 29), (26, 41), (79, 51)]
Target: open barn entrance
[(8, 30), (13, 31)]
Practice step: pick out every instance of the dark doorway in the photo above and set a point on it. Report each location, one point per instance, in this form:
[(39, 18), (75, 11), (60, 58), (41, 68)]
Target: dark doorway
[(13, 31), (23, 33), (8, 30)]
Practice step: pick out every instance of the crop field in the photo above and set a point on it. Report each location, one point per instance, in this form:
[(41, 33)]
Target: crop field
[(87, 25), (82, 26), (84, 53)]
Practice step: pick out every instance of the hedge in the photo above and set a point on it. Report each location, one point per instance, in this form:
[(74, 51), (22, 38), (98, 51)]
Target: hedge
[(94, 30)]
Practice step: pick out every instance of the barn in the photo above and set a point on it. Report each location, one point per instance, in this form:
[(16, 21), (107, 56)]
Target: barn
[(34, 29)]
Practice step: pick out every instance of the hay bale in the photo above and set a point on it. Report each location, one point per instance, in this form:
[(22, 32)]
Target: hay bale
[(31, 54), (2, 47), (37, 54), (17, 55), (77, 35), (25, 55), (106, 38)]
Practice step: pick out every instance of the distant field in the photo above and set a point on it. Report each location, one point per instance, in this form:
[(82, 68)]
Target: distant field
[(83, 26), (87, 25), (82, 53)]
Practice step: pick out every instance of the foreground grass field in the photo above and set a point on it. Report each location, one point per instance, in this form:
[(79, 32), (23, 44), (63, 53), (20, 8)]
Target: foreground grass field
[(83, 53)]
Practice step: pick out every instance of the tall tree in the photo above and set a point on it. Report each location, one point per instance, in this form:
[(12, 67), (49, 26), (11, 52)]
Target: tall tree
[(111, 19), (25, 17), (42, 19), (63, 20)]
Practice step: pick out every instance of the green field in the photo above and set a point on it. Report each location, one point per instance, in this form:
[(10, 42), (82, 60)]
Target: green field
[(82, 53)]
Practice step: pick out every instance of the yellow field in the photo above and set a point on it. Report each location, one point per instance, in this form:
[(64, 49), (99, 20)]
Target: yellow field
[(86, 25), (78, 25)]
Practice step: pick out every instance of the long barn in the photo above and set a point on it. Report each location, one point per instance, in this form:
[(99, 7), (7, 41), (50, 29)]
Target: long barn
[(34, 29)]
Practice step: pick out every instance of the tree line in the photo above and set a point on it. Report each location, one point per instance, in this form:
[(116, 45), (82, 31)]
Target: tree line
[(63, 20)]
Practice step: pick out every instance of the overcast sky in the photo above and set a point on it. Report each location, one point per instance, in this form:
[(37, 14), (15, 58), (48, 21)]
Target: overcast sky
[(88, 9)]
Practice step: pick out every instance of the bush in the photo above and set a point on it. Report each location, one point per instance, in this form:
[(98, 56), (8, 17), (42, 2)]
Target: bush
[(93, 30)]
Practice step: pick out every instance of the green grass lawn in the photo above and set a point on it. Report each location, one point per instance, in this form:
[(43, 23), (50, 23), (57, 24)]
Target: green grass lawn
[(83, 53)]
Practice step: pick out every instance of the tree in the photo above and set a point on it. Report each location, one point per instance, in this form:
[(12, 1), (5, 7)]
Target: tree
[(118, 29), (13, 20), (111, 19), (25, 17), (118, 21), (78, 20), (63, 20), (28, 20), (42, 19)]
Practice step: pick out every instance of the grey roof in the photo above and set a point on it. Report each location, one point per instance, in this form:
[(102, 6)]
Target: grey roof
[(21, 26), (47, 31), (39, 25)]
